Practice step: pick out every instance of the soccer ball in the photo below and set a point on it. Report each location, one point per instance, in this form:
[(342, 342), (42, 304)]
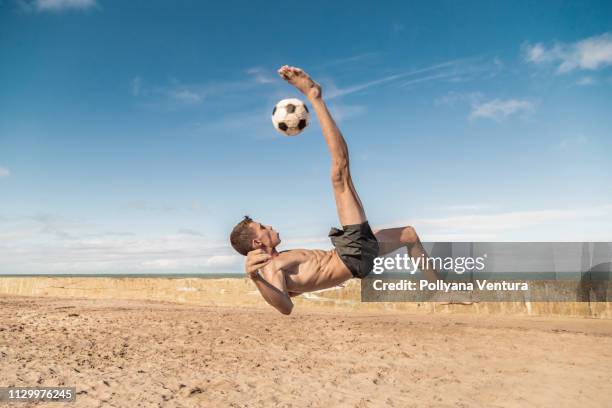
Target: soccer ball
[(290, 116)]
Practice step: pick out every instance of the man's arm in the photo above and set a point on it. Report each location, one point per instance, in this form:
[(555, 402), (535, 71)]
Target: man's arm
[(271, 285), (274, 290)]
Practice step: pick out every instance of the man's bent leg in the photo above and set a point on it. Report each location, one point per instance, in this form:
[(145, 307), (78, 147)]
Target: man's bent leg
[(391, 239)]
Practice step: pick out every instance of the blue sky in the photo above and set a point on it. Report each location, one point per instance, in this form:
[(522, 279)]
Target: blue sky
[(134, 135)]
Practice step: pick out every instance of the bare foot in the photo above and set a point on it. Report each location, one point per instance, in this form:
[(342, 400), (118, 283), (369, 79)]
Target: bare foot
[(301, 80)]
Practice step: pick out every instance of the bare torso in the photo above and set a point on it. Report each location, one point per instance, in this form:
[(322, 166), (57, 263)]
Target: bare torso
[(307, 270)]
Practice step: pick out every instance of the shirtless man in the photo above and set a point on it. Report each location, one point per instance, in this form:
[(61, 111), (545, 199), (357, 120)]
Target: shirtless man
[(279, 276)]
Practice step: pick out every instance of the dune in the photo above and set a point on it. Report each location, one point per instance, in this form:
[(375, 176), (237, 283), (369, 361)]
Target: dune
[(241, 292)]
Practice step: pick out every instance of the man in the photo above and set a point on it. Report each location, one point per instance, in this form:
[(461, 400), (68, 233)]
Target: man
[(279, 276)]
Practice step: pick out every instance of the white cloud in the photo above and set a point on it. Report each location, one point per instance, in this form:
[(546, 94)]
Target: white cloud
[(348, 61), (444, 75), (310, 242), (468, 207), (61, 5), (572, 143), (500, 221), (331, 91), (224, 260), (50, 244), (253, 122), (446, 70), (161, 264), (189, 231), (591, 223), (586, 81), (136, 85), (498, 63), (185, 95), (397, 27), (141, 205), (498, 109), (4, 172), (46, 243), (261, 76), (342, 112), (591, 53), (535, 53), (177, 95), (453, 98)]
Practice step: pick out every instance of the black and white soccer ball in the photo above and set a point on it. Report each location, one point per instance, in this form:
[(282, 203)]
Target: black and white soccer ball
[(290, 116)]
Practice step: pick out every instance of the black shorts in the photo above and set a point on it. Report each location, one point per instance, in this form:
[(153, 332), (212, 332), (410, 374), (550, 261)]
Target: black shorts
[(357, 247)]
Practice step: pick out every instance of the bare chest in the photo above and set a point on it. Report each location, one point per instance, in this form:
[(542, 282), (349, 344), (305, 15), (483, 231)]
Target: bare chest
[(315, 270)]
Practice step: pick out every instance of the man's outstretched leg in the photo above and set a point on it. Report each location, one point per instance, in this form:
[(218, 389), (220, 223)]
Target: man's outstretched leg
[(391, 239), (355, 244), (349, 206)]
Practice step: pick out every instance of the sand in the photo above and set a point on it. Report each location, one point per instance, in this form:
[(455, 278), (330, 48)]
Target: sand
[(124, 353)]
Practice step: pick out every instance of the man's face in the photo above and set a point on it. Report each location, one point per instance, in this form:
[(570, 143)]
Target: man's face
[(264, 235)]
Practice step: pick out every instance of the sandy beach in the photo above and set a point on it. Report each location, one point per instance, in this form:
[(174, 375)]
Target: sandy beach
[(129, 353)]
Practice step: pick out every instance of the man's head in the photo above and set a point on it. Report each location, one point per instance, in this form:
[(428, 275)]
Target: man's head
[(248, 235)]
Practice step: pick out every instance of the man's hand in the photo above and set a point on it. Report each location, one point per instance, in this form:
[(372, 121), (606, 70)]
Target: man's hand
[(256, 259)]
